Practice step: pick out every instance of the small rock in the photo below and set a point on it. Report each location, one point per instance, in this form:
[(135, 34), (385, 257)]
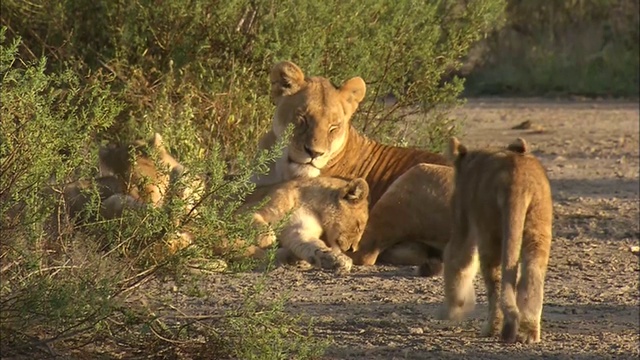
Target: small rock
[(621, 140), (523, 125), (635, 249), (537, 129), (416, 330)]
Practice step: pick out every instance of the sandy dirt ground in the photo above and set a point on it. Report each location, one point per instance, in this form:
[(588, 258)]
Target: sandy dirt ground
[(591, 152)]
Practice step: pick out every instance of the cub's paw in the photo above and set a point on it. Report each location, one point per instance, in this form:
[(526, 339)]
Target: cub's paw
[(265, 239), (285, 257), (445, 313), (528, 333), (327, 259), (491, 328)]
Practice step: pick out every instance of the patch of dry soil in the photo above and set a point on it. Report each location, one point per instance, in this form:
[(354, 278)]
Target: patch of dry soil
[(590, 149)]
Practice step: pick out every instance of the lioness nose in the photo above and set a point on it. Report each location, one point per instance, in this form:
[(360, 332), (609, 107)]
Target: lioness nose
[(314, 154)]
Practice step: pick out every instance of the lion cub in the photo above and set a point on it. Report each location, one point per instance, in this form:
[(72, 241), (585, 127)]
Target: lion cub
[(502, 209), (326, 217), (130, 178), (144, 181)]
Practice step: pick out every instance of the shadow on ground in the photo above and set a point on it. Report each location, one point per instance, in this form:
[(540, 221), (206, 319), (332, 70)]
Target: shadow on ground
[(599, 188)]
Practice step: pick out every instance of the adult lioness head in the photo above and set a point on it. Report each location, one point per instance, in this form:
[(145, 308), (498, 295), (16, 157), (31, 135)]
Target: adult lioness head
[(320, 113)]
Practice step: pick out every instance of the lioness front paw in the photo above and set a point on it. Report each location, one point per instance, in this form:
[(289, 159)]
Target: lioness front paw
[(327, 259)]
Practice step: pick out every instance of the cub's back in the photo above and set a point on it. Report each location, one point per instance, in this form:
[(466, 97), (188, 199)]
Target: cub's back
[(487, 179)]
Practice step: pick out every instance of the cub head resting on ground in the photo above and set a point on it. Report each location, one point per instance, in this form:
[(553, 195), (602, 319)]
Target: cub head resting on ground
[(323, 218), (502, 206), (135, 175), (144, 181)]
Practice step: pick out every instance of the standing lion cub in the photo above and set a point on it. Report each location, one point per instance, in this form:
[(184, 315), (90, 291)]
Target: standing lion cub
[(502, 209)]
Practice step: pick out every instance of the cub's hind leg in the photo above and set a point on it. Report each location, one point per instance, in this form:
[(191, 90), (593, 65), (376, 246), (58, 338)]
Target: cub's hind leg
[(530, 293), (460, 267), (490, 256)]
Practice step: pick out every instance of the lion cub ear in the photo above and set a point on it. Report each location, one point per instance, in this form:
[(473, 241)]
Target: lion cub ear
[(455, 149), (286, 79), (356, 191), (354, 90), (519, 145), (156, 141)]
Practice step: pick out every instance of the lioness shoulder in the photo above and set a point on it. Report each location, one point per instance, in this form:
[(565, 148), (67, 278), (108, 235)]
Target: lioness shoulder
[(501, 204)]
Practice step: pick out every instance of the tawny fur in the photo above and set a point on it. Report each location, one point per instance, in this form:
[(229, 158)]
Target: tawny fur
[(145, 182), (135, 175), (324, 143), (502, 213), (323, 218), (131, 178)]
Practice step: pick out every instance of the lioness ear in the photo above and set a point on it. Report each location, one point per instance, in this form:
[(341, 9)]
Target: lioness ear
[(455, 149), (353, 91), (520, 146), (356, 191), (286, 79)]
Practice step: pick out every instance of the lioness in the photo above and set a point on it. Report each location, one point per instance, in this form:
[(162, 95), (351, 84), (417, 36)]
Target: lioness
[(502, 208), (326, 217), (324, 143)]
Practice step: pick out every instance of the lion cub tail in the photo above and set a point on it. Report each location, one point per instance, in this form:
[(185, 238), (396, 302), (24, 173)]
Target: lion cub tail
[(513, 218)]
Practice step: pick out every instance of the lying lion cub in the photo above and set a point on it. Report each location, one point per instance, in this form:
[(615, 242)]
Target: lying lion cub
[(327, 217), (501, 207), (130, 178)]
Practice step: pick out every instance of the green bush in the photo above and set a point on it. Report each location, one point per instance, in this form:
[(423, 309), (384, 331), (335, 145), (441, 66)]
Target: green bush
[(562, 47), (62, 288), (216, 55)]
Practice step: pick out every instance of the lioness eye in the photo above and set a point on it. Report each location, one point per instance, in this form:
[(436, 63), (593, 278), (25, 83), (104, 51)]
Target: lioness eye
[(333, 128)]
